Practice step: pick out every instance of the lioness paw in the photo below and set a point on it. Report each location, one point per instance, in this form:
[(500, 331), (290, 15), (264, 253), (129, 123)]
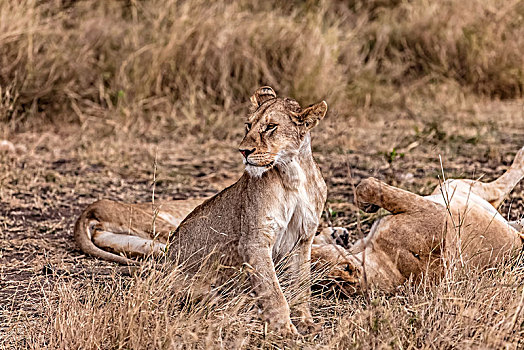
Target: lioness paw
[(308, 327), (283, 328)]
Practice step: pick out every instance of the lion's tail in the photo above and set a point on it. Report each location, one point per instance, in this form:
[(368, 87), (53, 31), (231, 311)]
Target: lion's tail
[(83, 238)]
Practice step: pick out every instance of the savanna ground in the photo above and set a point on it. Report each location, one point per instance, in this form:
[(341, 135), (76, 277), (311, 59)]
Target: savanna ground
[(135, 100)]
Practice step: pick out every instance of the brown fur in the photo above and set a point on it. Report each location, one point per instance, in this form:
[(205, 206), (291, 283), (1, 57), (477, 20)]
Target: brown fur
[(425, 236), (271, 211)]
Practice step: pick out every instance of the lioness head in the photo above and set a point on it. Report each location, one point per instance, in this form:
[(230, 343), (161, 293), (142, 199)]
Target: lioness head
[(276, 130)]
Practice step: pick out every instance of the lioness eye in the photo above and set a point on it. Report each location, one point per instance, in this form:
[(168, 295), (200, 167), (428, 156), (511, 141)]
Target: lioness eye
[(270, 127)]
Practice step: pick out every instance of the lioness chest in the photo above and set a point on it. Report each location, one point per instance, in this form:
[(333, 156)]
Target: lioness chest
[(297, 214)]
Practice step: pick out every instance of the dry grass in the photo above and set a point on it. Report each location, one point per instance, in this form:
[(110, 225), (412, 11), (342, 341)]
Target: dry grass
[(54, 297), (91, 92), (155, 310)]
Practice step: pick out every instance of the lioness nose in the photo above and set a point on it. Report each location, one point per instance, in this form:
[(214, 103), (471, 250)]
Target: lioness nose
[(246, 152)]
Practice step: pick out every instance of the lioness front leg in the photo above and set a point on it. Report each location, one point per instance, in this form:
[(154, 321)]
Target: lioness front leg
[(258, 261), (300, 269)]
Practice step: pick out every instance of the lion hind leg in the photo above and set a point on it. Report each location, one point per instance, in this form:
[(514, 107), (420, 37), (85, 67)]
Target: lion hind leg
[(129, 245), (393, 199), (502, 186), (494, 192)]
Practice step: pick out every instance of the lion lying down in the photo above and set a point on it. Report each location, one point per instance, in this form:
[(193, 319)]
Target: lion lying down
[(457, 223)]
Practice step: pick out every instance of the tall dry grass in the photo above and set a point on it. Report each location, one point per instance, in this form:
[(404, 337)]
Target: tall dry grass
[(470, 308), (192, 63)]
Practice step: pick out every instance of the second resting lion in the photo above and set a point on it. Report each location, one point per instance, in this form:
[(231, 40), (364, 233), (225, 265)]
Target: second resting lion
[(458, 225)]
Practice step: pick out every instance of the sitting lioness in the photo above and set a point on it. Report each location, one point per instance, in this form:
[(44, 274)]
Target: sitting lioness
[(425, 236), (272, 209)]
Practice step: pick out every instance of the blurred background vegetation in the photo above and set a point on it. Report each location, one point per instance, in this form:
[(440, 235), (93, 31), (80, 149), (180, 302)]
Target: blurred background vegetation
[(185, 64)]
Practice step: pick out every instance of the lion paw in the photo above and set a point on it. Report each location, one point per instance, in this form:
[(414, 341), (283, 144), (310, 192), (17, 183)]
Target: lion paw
[(368, 207), (308, 327), (285, 329)]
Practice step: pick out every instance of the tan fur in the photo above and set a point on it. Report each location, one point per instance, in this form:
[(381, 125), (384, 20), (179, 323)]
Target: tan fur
[(427, 236), (271, 211), (126, 222)]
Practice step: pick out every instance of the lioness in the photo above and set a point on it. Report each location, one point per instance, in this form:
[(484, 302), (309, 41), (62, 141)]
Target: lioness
[(424, 236), (272, 209)]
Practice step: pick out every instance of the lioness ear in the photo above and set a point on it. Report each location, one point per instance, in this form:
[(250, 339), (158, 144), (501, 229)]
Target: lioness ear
[(310, 116), (262, 94)]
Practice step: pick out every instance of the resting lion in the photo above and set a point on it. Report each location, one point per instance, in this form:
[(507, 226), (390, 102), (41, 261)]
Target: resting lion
[(272, 209), (457, 224)]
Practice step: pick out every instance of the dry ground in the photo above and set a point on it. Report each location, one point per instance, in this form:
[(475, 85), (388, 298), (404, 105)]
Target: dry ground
[(92, 92), (47, 284)]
